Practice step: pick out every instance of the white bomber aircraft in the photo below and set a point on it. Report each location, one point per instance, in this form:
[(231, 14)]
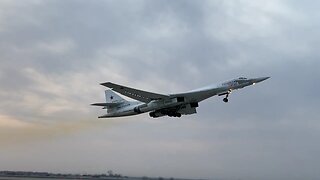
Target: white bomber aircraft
[(173, 105)]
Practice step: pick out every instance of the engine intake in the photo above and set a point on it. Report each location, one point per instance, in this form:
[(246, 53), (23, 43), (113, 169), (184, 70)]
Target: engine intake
[(137, 110)]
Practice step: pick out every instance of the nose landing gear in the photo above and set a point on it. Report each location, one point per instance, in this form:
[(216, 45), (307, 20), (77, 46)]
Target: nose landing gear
[(227, 95), (226, 98)]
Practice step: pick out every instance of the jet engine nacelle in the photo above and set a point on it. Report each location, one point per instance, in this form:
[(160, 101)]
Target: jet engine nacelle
[(147, 107), (155, 105), (139, 109)]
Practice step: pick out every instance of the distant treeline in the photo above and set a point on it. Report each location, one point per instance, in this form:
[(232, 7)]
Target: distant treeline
[(109, 176)]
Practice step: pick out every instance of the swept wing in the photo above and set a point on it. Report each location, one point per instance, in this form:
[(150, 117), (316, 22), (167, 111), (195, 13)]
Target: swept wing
[(136, 94)]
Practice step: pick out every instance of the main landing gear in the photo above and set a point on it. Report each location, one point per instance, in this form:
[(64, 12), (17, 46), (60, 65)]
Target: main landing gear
[(174, 114)]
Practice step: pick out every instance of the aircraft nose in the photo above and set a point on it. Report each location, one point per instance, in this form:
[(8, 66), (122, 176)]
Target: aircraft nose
[(257, 80)]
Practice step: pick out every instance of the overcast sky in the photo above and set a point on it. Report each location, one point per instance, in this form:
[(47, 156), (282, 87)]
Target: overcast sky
[(54, 54)]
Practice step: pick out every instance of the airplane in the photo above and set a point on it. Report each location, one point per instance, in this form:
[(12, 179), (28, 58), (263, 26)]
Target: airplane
[(172, 105)]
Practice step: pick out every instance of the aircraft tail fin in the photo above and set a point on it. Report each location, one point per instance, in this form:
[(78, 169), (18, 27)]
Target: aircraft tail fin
[(112, 97)]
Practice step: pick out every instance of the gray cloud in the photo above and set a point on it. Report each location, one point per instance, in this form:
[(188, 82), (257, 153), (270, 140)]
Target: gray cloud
[(55, 53)]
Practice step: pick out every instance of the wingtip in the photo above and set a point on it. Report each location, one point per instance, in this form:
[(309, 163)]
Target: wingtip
[(265, 78), (105, 83)]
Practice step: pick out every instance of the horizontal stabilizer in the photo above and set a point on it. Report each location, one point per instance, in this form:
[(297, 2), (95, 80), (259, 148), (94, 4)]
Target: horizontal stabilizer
[(100, 104), (107, 105)]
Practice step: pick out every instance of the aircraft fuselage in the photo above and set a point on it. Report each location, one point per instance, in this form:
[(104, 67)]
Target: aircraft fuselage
[(173, 104)]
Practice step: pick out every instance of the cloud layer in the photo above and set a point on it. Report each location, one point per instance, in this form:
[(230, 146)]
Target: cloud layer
[(54, 54)]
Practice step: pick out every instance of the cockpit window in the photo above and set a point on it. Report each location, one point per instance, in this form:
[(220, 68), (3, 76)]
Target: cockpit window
[(242, 78)]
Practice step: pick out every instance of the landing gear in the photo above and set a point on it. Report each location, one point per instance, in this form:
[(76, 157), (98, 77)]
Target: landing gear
[(226, 98), (152, 114), (227, 95), (156, 114), (174, 114)]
